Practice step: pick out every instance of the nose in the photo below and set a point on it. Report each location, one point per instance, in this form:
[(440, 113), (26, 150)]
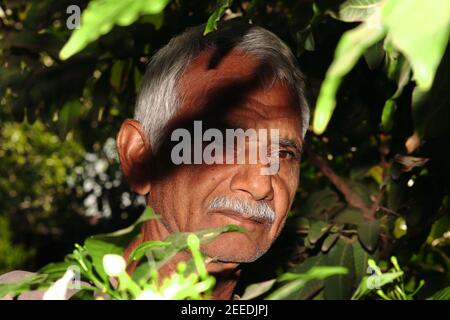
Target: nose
[(249, 180)]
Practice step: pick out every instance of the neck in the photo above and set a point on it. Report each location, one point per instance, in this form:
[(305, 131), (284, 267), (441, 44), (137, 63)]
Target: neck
[(226, 274)]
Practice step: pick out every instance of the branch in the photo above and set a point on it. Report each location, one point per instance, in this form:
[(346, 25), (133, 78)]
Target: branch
[(351, 197)]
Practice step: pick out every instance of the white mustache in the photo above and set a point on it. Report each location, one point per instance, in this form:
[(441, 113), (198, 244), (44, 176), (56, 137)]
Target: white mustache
[(259, 210)]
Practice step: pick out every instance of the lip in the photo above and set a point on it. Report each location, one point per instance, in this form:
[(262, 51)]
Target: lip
[(238, 216)]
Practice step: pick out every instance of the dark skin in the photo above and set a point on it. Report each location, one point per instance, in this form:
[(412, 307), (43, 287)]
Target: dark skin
[(171, 195)]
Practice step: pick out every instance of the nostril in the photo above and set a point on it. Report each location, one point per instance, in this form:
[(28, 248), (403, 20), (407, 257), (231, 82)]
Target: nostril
[(250, 181)]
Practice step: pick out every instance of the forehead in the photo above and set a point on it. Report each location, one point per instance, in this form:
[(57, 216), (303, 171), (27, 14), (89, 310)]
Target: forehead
[(230, 86)]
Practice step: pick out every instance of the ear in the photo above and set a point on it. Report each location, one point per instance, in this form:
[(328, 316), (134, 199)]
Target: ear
[(135, 153)]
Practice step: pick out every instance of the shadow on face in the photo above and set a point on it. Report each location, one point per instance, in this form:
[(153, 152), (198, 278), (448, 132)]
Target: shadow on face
[(224, 90)]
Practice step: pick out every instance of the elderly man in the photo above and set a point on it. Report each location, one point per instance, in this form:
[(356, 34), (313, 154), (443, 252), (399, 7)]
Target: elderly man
[(240, 76)]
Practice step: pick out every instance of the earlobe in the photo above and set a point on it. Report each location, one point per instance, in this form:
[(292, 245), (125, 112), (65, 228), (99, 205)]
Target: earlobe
[(135, 153)]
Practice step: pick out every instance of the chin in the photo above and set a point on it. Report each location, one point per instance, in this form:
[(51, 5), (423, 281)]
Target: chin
[(234, 248)]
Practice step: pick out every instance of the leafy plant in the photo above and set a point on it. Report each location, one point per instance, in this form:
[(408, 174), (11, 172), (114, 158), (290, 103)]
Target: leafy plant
[(99, 262)]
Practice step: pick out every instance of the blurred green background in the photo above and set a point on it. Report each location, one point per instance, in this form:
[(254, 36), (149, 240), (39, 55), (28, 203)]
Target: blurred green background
[(375, 178)]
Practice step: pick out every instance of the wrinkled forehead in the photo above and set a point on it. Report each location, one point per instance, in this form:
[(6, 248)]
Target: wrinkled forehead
[(225, 83)]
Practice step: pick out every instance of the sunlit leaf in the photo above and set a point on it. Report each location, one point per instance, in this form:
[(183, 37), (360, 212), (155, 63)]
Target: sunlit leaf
[(357, 10), (222, 6), (297, 281), (101, 15), (426, 47), (443, 294), (350, 48), (256, 289)]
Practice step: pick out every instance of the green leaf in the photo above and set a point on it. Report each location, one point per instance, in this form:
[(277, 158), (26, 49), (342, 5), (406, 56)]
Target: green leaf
[(351, 46), (329, 242), (425, 49), (443, 294), (311, 288), (117, 75), (374, 55), (305, 40), (322, 204), (374, 280), (256, 289), (299, 280), (400, 227), (357, 10), (140, 250), (162, 251), (340, 286), (23, 285), (440, 227), (387, 116), (68, 116), (124, 236), (317, 231), (101, 15), (398, 69), (361, 256), (97, 249), (368, 234), (222, 6), (350, 215)]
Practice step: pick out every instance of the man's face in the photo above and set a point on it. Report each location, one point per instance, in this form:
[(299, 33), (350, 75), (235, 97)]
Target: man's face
[(184, 195)]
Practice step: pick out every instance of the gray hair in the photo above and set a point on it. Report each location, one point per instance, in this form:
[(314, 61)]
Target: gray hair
[(158, 99)]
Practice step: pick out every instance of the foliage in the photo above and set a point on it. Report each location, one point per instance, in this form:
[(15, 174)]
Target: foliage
[(393, 20), (375, 178)]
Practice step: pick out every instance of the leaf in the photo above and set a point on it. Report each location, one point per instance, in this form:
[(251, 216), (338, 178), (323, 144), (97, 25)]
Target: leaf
[(360, 256), (357, 10), (374, 55), (329, 242), (256, 289), (368, 234), (101, 15), (140, 250), (68, 116), (387, 116), (350, 215), (317, 231), (175, 242), (340, 286), (400, 228), (97, 249), (398, 69), (315, 273), (124, 236), (409, 162), (443, 294), (54, 271), (222, 6), (305, 40), (23, 285), (440, 227), (322, 204), (425, 49), (351, 46), (311, 288), (117, 75), (377, 280)]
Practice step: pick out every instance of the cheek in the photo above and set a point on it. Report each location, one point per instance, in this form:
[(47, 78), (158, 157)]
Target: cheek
[(285, 187), (198, 184)]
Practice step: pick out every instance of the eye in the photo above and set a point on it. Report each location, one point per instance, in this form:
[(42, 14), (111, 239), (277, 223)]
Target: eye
[(286, 154)]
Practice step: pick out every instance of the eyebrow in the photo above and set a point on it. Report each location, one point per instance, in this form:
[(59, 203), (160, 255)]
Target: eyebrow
[(289, 143)]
